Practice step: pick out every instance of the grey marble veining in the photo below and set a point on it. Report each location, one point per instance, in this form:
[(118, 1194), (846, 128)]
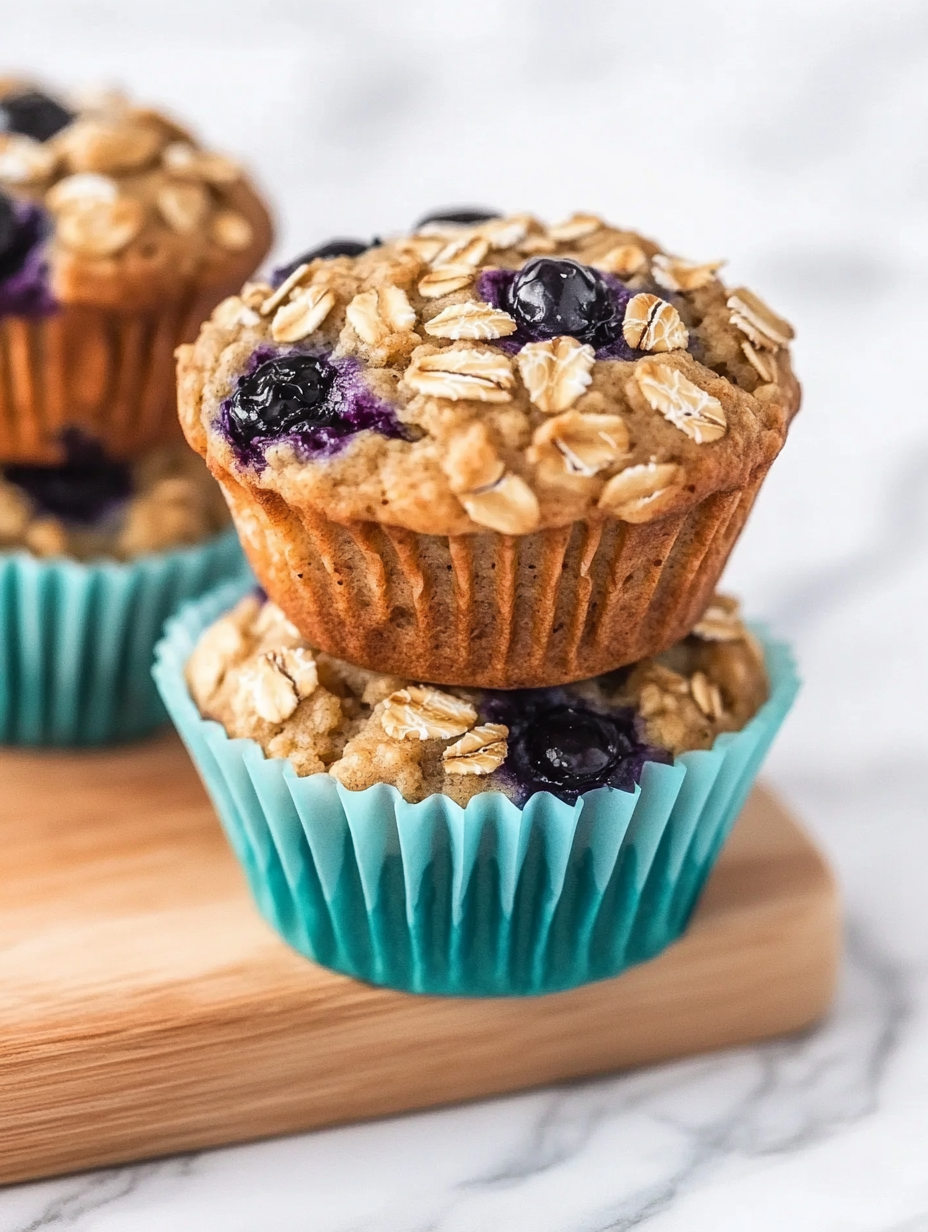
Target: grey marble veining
[(794, 138)]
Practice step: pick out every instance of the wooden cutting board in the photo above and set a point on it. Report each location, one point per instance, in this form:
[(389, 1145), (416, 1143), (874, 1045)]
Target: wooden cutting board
[(146, 1008)]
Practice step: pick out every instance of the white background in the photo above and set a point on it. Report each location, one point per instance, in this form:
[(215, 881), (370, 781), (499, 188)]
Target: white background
[(793, 138)]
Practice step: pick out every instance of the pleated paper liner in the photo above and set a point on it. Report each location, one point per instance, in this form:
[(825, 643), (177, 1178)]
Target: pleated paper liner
[(487, 900), (77, 639), (109, 373), (491, 610)]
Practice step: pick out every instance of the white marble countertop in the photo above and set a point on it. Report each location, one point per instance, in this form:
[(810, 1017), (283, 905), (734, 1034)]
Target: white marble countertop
[(791, 137)]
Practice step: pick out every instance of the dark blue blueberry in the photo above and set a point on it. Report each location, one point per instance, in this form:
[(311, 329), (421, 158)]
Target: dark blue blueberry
[(559, 743), (567, 747), (550, 296), (16, 239), (83, 489), (33, 114), (332, 248), (283, 395), (466, 217)]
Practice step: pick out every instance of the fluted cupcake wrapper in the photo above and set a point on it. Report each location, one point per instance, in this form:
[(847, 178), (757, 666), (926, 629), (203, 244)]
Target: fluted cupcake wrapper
[(111, 374), (77, 639), (487, 900), (490, 610)]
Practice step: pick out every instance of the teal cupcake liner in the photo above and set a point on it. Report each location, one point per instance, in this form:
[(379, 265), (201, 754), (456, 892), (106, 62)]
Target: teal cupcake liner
[(77, 639), (487, 900)]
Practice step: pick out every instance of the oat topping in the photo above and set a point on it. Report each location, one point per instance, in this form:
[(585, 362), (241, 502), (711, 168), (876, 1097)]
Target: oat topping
[(303, 314), (764, 363), (651, 324), (480, 751), (577, 227), (24, 161), (279, 681), (680, 401), (100, 228), (231, 231), (584, 444), (638, 493), (186, 162), (721, 621), (675, 274), (375, 315), (445, 279), (555, 372), (84, 186), (183, 206), (623, 260), (462, 372), (476, 322), (422, 713), (706, 695), (761, 324), (508, 505)]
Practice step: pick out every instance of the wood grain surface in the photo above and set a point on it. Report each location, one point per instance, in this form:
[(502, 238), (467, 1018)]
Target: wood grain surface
[(146, 1007)]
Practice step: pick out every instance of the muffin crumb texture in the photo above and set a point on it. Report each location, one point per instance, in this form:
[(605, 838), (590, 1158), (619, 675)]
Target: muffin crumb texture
[(527, 376), (252, 672), (101, 508)]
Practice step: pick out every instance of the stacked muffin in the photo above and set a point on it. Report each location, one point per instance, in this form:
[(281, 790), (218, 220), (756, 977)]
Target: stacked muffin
[(490, 722), (118, 235)]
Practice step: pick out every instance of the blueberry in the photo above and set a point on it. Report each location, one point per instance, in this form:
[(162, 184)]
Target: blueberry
[(19, 232), (550, 296), (567, 747), (332, 248), (465, 217), (9, 226), (83, 488), (283, 395), (33, 114)]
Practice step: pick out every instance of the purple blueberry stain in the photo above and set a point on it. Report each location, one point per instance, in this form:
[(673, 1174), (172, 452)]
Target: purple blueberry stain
[(24, 274), (311, 401), (85, 489), (561, 744)]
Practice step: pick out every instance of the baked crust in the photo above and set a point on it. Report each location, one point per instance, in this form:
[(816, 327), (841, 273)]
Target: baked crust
[(139, 213), (679, 424)]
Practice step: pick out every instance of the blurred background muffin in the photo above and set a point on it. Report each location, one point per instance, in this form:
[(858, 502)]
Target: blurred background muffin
[(118, 234)]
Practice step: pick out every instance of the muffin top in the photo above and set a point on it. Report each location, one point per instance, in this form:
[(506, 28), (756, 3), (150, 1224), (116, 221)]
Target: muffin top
[(113, 205), (93, 506), (255, 674), (491, 372)]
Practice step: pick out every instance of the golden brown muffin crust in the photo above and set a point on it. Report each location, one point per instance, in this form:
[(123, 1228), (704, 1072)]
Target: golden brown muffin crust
[(509, 442)]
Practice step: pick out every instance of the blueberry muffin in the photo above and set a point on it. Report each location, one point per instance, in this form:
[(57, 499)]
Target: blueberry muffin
[(255, 674), (118, 234), (93, 506), (492, 453)]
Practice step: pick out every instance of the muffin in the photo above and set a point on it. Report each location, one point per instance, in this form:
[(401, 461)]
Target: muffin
[(94, 555), (492, 453), (463, 841), (118, 235)]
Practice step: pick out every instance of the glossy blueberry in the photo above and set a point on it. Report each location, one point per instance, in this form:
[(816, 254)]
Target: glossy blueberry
[(573, 748), (33, 114), (332, 248), (83, 488), (550, 296), (465, 217), (286, 394)]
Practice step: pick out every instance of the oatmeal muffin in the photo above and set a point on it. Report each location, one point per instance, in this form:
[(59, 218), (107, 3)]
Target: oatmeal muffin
[(95, 554), (92, 506), (492, 453), (255, 674), (461, 841), (118, 234)]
